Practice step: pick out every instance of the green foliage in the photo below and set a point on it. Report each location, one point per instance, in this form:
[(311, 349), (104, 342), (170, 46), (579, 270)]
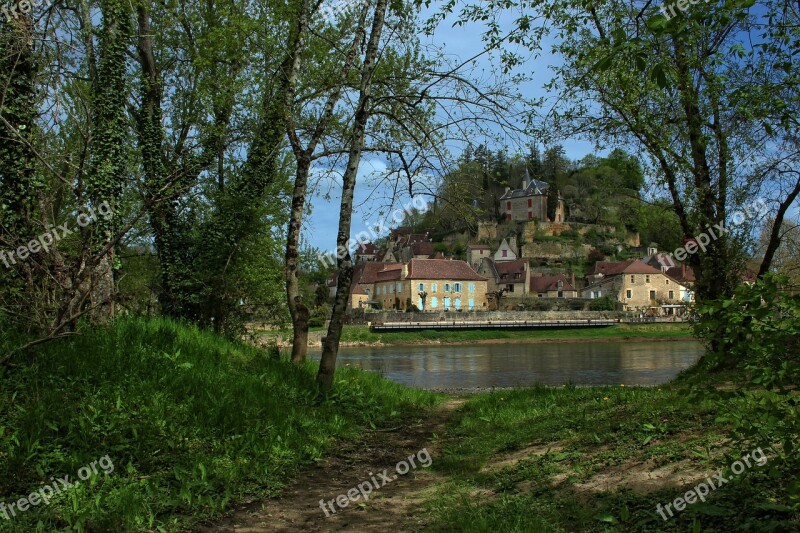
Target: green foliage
[(606, 303), (757, 331), (541, 453), (193, 424)]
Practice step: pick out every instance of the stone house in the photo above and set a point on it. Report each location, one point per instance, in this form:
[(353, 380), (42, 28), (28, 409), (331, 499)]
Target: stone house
[(511, 276), (507, 251), (555, 286), (431, 285), (366, 252), (476, 253), (529, 203), (638, 287)]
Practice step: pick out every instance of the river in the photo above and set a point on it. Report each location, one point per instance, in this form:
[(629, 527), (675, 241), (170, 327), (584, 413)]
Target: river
[(481, 366)]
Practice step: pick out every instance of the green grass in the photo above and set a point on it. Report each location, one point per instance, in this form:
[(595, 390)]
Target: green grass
[(622, 331), (578, 433), (191, 422)]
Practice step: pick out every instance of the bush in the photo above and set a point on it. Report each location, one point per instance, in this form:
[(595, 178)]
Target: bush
[(757, 332), (576, 305), (606, 303)]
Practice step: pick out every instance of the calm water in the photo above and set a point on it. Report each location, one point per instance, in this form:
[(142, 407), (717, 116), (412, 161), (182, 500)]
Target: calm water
[(508, 365)]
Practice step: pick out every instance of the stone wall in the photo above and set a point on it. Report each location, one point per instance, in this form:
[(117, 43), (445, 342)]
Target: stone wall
[(384, 316)]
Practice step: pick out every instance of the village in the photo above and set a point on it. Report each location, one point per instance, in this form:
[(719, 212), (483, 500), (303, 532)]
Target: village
[(505, 268)]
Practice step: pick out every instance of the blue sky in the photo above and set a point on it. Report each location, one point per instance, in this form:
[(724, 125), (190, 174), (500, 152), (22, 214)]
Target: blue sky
[(463, 42)]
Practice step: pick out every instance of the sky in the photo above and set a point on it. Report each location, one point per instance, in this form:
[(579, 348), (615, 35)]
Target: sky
[(463, 42)]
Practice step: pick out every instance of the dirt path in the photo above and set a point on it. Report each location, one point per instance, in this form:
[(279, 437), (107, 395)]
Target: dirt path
[(391, 507)]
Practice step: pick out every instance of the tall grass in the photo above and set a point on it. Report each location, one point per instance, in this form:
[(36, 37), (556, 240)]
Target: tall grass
[(191, 421)]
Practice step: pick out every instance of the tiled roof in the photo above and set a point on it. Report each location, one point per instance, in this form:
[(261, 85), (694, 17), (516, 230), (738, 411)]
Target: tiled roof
[(534, 188), (366, 249), (632, 266), (660, 259), (358, 289), (679, 274), (371, 270), (506, 270), (441, 269), (422, 248), (550, 283)]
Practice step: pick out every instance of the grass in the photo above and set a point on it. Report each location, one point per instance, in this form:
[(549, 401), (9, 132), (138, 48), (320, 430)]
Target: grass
[(192, 424), (622, 331), (563, 441)]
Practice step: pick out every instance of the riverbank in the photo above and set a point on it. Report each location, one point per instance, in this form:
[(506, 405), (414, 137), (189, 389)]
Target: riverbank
[(187, 424), (362, 336)]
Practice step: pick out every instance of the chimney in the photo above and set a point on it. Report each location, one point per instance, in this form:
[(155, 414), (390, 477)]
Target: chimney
[(524, 184), (683, 271), (508, 189)]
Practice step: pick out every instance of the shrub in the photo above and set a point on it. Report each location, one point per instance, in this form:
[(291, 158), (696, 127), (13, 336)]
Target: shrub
[(576, 305), (606, 303)]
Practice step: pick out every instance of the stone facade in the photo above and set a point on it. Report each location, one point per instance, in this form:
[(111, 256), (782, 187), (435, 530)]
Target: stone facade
[(640, 287)]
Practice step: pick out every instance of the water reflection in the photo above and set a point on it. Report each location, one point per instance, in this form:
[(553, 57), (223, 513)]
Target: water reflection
[(508, 365)]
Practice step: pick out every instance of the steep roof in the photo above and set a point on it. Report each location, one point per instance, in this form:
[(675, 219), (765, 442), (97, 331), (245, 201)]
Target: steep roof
[(506, 270), (631, 266), (682, 274), (371, 270), (441, 269), (534, 188), (550, 283), (366, 249), (660, 259), (422, 248)]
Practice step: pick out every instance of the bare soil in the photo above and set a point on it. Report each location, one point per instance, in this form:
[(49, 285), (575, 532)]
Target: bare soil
[(392, 507)]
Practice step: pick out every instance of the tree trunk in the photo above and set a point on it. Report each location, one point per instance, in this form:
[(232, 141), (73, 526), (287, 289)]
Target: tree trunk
[(330, 349), (297, 309)]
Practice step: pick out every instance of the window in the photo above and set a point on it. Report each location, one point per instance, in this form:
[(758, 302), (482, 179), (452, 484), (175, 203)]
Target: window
[(434, 287), (471, 288), (633, 278), (560, 294), (652, 295), (399, 287), (647, 278), (530, 202), (471, 304), (505, 253), (629, 293), (446, 287), (666, 282), (391, 288), (456, 287), (510, 288), (421, 287), (671, 295), (434, 302), (508, 206), (367, 291), (530, 215)]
